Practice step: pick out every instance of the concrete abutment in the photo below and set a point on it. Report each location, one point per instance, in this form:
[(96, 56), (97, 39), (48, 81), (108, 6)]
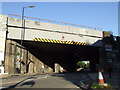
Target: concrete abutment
[(29, 63)]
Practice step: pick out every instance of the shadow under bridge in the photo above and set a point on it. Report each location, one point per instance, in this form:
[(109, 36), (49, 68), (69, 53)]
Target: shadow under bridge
[(65, 55)]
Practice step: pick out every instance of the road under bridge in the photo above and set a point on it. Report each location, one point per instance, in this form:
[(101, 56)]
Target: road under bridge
[(66, 55)]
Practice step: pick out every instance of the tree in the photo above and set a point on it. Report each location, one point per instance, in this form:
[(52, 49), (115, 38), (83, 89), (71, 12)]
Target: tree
[(81, 64), (87, 65)]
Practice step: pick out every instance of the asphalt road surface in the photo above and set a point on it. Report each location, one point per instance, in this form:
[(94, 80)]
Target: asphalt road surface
[(67, 80)]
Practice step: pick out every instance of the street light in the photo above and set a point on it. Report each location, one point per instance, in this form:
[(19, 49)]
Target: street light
[(23, 23), (23, 32)]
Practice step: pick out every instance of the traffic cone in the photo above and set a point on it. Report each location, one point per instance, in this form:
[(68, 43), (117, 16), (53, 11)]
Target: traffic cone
[(101, 80)]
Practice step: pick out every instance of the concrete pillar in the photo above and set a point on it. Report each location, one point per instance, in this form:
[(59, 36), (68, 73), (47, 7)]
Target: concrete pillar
[(57, 68), (17, 60), (12, 63), (24, 60), (7, 56), (30, 63), (22, 68), (31, 67), (61, 69)]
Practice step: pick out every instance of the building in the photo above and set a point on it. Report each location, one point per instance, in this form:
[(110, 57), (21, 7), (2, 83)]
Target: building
[(112, 52)]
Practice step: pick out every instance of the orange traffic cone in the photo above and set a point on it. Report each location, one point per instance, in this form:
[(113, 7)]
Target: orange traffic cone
[(101, 80)]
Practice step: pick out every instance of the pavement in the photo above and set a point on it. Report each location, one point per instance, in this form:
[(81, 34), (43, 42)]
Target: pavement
[(3, 76)]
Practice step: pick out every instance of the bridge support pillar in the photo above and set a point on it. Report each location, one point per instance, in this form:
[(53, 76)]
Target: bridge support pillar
[(57, 68)]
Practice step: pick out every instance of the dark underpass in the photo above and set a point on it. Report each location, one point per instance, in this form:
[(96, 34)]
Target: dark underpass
[(64, 54)]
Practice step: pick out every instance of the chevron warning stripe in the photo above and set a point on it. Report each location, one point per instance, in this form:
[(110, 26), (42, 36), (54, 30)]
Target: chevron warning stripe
[(58, 41), (35, 39), (40, 39)]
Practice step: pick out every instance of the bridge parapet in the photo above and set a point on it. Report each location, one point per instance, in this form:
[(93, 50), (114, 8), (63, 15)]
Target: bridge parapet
[(54, 27), (51, 31)]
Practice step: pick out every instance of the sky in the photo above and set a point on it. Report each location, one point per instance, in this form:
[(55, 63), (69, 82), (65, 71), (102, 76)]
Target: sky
[(102, 15)]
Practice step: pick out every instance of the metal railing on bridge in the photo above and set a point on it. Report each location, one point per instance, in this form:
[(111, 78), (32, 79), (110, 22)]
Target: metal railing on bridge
[(58, 22)]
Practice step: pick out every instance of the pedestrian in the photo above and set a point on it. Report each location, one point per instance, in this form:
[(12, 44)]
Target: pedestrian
[(42, 68)]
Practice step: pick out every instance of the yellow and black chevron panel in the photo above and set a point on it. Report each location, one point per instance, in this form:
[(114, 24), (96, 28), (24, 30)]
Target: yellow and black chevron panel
[(58, 41), (55, 41), (79, 43), (35, 39), (85, 44), (41, 39), (67, 42), (51, 41), (45, 40)]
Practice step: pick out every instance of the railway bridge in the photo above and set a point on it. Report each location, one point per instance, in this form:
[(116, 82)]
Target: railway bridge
[(27, 45)]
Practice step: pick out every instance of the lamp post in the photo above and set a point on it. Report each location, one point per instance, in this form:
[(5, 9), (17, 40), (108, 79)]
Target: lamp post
[(23, 32)]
